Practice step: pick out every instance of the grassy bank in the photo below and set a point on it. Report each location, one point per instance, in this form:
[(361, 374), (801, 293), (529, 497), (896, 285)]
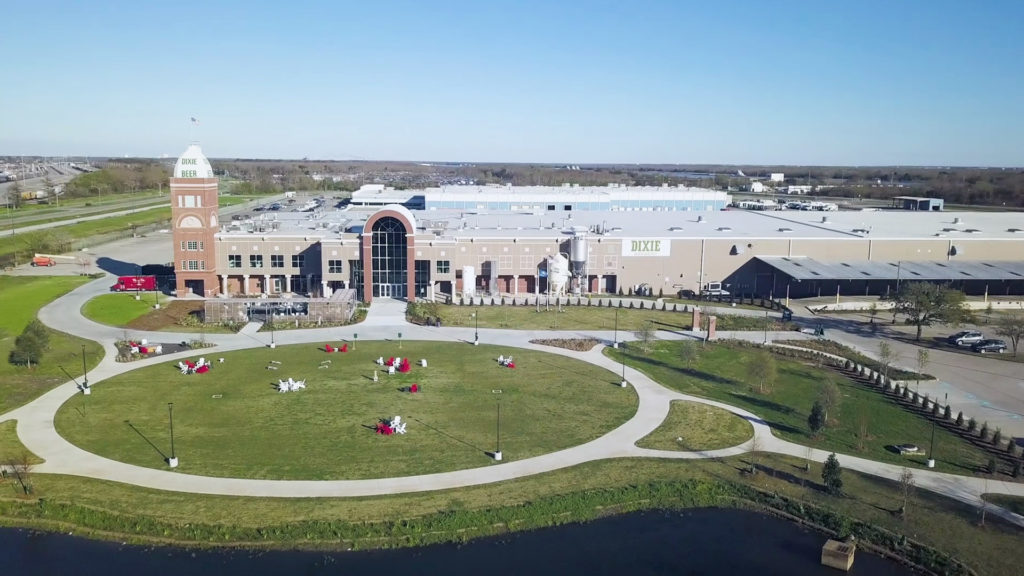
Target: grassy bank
[(20, 247), (115, 511), (864, 423), (20, 301)]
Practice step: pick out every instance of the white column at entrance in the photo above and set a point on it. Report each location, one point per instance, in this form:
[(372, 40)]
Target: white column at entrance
[(600, 284), (326, 288), (245, 284), (266, 283), (515, 286), (288, 283), (224, 284), (309, 283)]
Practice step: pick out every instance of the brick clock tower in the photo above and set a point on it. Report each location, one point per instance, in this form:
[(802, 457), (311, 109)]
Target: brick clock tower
[(194, 222)]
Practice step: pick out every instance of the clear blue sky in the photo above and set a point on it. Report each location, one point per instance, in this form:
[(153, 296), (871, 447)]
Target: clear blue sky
[(851, 83)]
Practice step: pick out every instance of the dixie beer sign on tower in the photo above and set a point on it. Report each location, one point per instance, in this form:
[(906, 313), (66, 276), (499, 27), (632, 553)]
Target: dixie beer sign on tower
[(646, 247)]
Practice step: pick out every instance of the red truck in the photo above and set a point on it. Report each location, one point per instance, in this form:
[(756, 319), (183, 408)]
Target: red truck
[(134, 283)]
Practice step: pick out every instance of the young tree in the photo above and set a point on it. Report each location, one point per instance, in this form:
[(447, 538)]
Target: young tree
[(886, 356), (922, 361), (20, 467), (645, 335), (1012, 327), (831, 475), (30, 344), (924, 303), (960, 419), (906, 488), (689, 353), (829, 397), (14, 195), (762, 370), (816, 420)]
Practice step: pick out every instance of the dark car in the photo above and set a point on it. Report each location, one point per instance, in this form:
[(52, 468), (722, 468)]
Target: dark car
[(965, 338), (275, 206), (990, 346)]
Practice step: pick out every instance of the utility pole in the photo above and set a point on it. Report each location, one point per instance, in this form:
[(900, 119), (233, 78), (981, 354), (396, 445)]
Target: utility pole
[(615, 344), (497, 450)]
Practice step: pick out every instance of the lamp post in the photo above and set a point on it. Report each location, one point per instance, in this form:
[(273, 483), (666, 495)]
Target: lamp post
[(138, 282), (273, 344), (85, 375), (355, 338), (931, 449), (173, 460), (497, 450), (615, 343), (399, 340), (766, 320), (623, 383), (476, 329)]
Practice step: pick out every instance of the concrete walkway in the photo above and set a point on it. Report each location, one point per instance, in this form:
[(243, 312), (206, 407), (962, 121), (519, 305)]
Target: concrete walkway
[(36, 426)]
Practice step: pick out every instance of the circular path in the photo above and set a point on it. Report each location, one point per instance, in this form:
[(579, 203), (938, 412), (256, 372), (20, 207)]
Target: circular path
[(386, 319)]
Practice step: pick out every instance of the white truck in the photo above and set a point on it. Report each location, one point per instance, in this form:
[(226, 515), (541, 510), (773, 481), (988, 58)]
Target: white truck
[(713, 290)]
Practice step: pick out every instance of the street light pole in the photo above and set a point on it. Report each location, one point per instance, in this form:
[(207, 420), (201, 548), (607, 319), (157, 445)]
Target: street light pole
[(766, 320), (476, 329), (173, 460), (497, 451), (85, 373), (623, 383), (615, 344)]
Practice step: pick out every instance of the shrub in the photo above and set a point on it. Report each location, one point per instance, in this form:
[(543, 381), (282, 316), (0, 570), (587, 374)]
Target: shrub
[(1016, 469), (888, 386), (972, 424), (631, 304), (914, 398), (1011, 447), (984, 431), (948, 413), (997, 438), (906, 392), (935, 410), (621, 306), (849, 365), (992, 466), (960, 419), (661, 292)]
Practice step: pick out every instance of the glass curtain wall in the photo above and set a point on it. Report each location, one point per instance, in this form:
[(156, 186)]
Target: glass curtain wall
[(390, 267)]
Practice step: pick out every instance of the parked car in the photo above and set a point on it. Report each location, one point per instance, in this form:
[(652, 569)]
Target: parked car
[(966, 338), (990, 346)]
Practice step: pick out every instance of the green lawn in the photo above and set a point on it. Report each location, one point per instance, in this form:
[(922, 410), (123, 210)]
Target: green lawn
[(11, 449), (117, 309), (233, 422), (1012, 503), (721, 373), (21, 297), (692, 426)]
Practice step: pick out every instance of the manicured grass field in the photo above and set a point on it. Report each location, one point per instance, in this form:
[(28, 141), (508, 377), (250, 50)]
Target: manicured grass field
[(694, 426), (117, 309), (21, 297), (721, 373), (233, 422)]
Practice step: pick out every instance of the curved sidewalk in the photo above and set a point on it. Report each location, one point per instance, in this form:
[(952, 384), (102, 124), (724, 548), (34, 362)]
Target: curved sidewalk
[(36, 425)]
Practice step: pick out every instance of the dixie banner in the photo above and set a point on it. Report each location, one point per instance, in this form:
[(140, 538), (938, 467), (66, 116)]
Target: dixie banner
[(646, 247)]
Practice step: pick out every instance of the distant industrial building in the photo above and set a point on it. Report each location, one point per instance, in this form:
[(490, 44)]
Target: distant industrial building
[(517, 241), (918, 203)]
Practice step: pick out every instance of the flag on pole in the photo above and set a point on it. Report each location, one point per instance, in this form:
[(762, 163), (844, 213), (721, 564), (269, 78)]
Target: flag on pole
[(194, 121)]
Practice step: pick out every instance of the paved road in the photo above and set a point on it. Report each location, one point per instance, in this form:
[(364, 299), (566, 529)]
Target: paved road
[(982, 386), (36, 427)]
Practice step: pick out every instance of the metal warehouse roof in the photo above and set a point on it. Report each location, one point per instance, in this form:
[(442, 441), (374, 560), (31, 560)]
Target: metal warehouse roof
[(811, 269)]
